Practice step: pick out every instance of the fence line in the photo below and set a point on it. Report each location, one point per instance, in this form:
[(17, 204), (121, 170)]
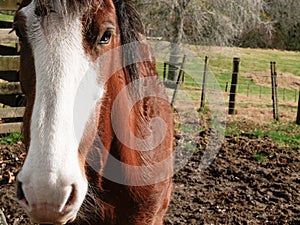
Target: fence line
[(10, 90), (253, 87)]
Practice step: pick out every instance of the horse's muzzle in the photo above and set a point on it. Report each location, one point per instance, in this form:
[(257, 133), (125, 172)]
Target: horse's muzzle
[(46, 213)]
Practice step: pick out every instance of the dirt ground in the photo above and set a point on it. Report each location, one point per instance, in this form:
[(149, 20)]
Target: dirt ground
[(237, 188)]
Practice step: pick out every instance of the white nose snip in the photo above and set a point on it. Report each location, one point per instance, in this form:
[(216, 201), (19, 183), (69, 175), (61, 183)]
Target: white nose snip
[(50, 197)]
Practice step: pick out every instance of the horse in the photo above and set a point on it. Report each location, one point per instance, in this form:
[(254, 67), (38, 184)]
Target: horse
[(98, 126)]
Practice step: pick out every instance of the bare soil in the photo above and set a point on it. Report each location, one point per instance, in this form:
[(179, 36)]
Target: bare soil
[(236, 188)]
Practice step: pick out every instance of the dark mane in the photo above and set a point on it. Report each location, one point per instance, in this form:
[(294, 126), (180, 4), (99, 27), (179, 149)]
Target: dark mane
[(131, 28)]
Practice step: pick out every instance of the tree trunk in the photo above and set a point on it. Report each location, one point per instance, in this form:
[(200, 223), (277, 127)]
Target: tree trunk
[(176, 42)]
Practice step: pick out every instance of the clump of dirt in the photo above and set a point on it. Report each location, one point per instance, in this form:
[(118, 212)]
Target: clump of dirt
[(251, 181)]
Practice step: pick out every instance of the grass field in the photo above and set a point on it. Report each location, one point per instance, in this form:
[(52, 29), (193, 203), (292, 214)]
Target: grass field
[(254, 84), (285, 134), (6, 18), (253, 61)]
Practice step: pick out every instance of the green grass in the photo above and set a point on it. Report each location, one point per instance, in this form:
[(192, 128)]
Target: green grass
[(6, 18), (286, 134), (253, 61), (11, 138), (232, 129), (189, 147), (261, 157)]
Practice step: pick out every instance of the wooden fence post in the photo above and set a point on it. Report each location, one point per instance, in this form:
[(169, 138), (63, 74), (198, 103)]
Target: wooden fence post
[(9, 5), (202, 104), (260, 92), (164, 73), (248, 90), (179, 79), (226, 87), (274, 90), (298, 114), (234, 83)]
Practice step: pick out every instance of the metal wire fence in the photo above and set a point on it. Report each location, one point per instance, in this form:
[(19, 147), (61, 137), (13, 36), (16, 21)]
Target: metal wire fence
[(254, 87)]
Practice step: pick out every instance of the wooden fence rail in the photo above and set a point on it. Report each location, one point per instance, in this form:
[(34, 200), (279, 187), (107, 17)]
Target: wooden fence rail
[(10, 88), (9, 113), (7, 37), (9, 4), (9, 63)]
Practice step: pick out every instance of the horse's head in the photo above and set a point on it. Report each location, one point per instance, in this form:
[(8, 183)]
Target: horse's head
[(63, 76)]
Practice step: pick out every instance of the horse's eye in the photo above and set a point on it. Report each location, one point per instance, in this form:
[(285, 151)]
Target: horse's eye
[(105, 39)]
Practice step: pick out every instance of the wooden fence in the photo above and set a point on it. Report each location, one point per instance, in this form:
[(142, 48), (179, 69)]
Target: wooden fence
[(11, 97), (9, 4)]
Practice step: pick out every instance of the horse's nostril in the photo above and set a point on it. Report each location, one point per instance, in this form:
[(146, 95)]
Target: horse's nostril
[(20, 193), (72, 197)]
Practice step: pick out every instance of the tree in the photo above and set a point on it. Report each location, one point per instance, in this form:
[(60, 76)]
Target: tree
[(286, 19), (179, 10), (202, 22), (213, 22)]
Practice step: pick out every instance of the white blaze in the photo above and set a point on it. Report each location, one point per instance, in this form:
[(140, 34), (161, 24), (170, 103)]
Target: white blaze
[(67, 90)]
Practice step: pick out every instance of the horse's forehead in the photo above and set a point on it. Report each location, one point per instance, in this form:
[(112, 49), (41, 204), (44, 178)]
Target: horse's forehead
[(67, 3), (102, 9), (65, 6)]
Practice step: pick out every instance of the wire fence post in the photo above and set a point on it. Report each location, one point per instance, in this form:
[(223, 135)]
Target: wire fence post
[(234, 83), (248, 90), (260, 92), (226, 87), (179, 80), (298, 113), (274, 90), (202, 104), (164, 73)]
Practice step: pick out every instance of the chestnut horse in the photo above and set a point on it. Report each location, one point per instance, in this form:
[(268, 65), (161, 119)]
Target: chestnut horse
[(98, 127)]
